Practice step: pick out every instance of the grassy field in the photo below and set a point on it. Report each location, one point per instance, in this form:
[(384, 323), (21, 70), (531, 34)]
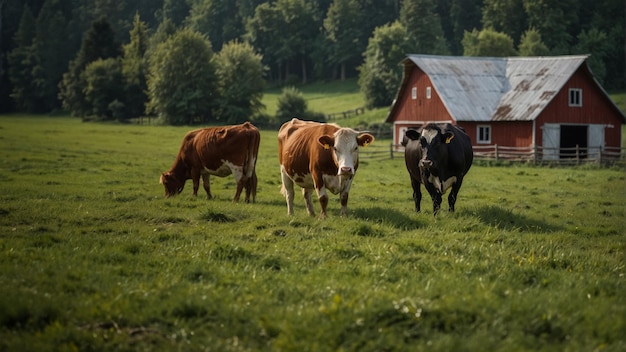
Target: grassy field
[(93, 257)]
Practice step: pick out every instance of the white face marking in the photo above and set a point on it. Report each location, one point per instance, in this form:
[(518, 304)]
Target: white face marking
[(429, 135), (346, 150), (442, 187)]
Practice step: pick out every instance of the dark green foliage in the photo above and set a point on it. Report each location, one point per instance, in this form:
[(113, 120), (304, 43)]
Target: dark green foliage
[(105, 88), (99, 43), (488, 43), (380, 74), (135, 69), (241, 83), (290, 104), (182, 82)]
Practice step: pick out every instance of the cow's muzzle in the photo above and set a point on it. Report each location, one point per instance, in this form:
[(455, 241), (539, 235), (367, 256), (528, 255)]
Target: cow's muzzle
[(426, 164), (346, 171)]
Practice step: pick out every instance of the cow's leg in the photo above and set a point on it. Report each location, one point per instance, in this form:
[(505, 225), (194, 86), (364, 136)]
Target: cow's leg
[(251, 188), (206, 183), (320, 189), (195, 178), (241, 182), (417, 194), (343, 196), (307, 193), (287, 191), (435, 195), (453, 193), (323, 198)]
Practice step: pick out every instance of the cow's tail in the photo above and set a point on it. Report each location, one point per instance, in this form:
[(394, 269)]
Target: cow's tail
[(254, 139)]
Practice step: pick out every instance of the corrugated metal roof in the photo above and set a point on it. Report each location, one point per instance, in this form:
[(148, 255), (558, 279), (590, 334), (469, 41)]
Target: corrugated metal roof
[(497, 89)]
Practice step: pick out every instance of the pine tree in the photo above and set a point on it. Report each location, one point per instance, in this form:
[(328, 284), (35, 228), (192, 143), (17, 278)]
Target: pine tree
[(23, 63), (134, 69), (98, 43)]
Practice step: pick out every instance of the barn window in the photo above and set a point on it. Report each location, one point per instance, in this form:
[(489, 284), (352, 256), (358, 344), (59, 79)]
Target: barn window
[(483, 134), (575, 97), (427, 92), (414, 93)]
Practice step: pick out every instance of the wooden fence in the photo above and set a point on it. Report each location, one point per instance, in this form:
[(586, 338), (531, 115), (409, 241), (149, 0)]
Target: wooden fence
[(533, 155), (345, 114)]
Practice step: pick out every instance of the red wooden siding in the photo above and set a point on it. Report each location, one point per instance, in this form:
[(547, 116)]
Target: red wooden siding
[(596, 109), (509, 134), (420, 109)]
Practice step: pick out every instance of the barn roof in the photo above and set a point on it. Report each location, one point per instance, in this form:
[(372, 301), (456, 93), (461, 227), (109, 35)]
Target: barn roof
[(494, 88)]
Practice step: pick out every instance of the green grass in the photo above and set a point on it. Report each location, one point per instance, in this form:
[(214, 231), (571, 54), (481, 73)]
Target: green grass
[(92, 257)]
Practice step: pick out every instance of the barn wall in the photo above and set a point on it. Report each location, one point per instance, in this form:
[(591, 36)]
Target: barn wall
[(421, 108), (596, 109), (508, 134)]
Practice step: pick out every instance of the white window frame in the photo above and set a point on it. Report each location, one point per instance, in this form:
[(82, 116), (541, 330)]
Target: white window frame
[(414, 93), (483, 140), (575, 97), (428, 92)]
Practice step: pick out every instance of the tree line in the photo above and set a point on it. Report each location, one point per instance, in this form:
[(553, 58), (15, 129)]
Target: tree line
[(204, 60)]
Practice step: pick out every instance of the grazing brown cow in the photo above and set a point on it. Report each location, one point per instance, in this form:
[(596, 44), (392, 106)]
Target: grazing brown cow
[(318, 156), (217, 151)]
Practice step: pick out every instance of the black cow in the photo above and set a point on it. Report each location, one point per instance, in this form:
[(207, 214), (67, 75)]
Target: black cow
[(438, 156)]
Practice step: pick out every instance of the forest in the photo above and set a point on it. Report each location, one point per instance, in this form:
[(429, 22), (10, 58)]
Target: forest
[(211, 59)]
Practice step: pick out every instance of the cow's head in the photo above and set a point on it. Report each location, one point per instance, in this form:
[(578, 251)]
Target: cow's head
[(344, 145), (434, 141), (173, 185)]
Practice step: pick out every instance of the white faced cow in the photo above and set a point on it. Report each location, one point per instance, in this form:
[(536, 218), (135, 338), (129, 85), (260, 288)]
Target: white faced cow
[(438, 156), (318, 156)]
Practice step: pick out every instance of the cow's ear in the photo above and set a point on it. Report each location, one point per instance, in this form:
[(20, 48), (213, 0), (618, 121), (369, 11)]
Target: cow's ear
[(448, 136), (365, 139), (413, 134), (327, 141)]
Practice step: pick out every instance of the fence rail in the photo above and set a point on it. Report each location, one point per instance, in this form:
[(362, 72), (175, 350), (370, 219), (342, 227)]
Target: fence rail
[(535, 155)]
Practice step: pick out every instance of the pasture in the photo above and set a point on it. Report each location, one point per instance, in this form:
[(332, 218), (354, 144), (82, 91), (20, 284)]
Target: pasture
[(93, 257)]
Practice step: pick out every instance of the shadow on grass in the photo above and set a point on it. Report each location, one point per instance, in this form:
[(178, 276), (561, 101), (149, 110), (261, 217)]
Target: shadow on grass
[(387, 216), (508, 220)]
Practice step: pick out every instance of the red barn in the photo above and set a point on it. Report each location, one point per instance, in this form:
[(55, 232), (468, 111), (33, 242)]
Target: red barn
[(546, 102)]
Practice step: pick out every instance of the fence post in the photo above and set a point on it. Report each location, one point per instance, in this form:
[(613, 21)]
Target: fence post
[(391, 149), (497, 156), (577, 154)]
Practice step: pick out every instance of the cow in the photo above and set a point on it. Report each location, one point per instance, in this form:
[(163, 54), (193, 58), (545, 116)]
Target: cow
[(438, 156), (318, 156), (218, 151)]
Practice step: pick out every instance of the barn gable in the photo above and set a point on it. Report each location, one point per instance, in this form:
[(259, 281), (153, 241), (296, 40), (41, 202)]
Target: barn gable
[(493, 89)]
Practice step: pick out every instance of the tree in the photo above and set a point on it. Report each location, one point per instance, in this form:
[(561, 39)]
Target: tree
[(505, 16), (98, 43), (465, 15), (104, 88), (23, 63), (290, 104), (555, 20), (423, 27), (220, 20), (182, 79), (263, 31), (240, 75), (594, 41), (344, 30), (380, 74), (53, 45), (134, 69), (487, 42), (531, 44)]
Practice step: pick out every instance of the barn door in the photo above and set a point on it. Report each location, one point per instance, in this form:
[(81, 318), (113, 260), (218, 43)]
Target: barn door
[(551, 141), (595, 140)]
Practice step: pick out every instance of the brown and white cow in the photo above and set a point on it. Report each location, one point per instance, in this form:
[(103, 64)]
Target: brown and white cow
[(218, 151), (438, 156), (318, 156)]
